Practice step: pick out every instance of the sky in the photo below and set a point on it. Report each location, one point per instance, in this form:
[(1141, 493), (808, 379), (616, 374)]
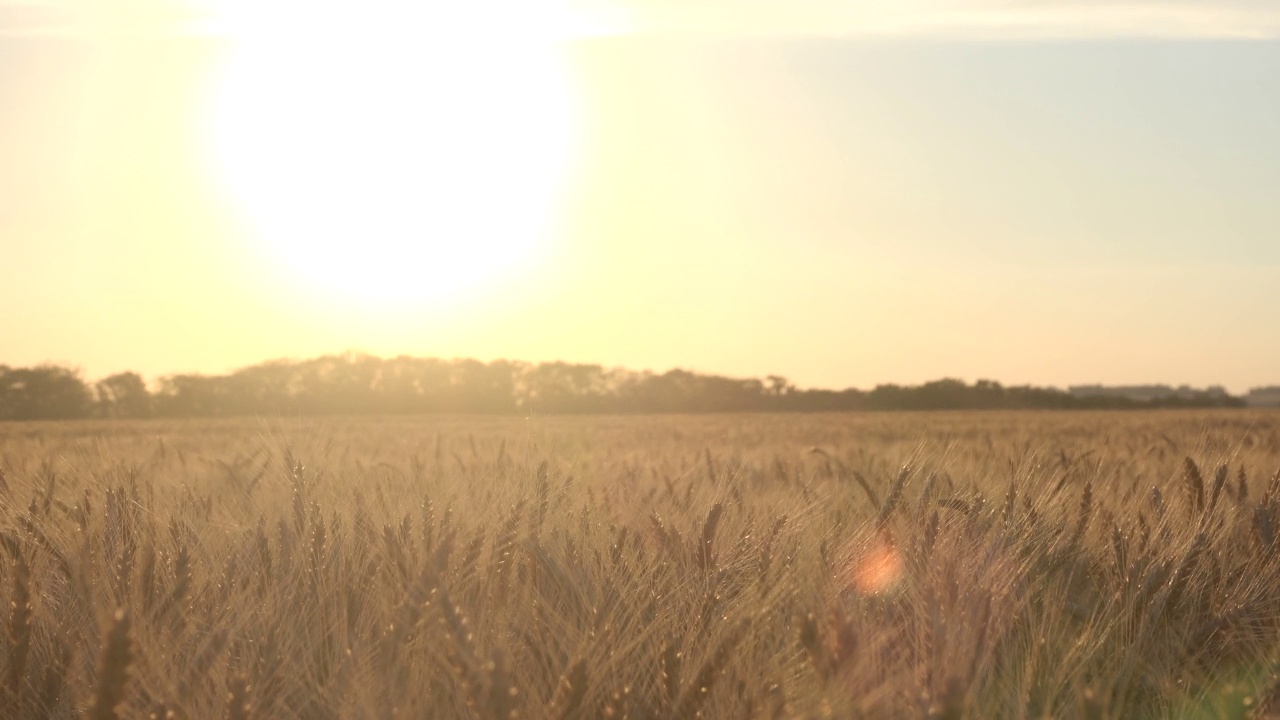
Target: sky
[(846, 194)]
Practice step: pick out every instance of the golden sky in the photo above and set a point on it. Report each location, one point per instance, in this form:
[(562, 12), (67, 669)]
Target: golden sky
[(1050, 192)]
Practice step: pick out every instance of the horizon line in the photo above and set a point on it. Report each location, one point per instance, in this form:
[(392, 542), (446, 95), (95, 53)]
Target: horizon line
[(1068, 387)]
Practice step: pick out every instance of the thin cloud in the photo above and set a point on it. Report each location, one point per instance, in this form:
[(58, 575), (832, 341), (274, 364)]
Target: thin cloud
[(32, 19), (97, 17), (963, 19), (980, 19), (1117, 19), (563, 18)]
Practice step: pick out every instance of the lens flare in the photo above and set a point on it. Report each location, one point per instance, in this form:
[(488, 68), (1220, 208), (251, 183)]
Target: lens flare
[(877, 570)]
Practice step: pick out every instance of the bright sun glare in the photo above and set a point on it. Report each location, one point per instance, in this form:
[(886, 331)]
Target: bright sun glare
[(399, 158)]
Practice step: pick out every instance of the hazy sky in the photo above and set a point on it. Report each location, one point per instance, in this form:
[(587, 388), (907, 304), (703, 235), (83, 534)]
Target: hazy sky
[(1042, 191)]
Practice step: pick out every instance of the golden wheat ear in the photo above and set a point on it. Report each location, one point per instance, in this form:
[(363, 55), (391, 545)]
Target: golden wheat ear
[(238, 707), (113, 669), (19, 633)]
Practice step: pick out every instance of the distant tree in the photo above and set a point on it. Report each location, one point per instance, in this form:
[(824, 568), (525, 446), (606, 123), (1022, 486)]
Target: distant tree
[(989, 394), (191, 396), (777, 386), (269, 387), (889, 397), (123, 395), (482, 387), (361, 384), (46, 392), (945, 394)]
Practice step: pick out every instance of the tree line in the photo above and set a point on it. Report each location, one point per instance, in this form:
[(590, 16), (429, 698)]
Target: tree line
[(363, 384)]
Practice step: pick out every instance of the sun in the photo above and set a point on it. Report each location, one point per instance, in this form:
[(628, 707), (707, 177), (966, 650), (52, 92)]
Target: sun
[(395, 158)]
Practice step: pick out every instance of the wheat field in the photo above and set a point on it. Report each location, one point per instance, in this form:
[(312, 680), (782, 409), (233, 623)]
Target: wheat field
[(948, 565)]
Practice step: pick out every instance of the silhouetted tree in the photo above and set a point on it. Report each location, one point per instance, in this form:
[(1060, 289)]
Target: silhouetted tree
[(363, 384), (190, 396), (123, 395), (779, 386), (46, 392)]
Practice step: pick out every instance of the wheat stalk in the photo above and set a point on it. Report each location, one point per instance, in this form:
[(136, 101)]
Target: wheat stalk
[(113, 669)]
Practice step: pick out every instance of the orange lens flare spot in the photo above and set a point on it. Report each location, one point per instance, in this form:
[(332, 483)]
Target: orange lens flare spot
[(876, 570)]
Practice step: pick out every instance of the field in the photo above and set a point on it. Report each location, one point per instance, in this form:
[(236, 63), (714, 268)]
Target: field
[(949, 565)]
